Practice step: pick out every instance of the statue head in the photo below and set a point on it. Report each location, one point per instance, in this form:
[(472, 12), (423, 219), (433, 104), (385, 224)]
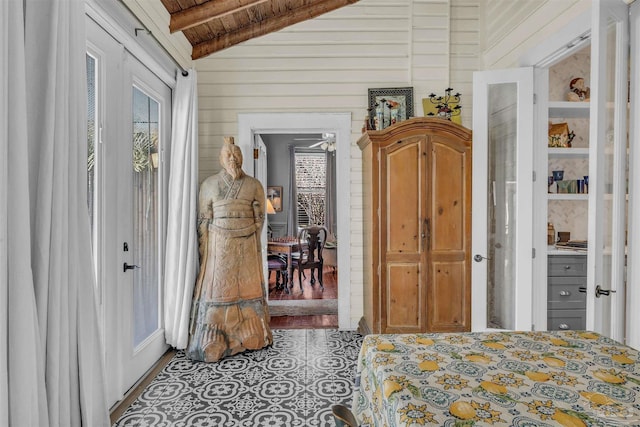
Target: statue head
[(231, 158)]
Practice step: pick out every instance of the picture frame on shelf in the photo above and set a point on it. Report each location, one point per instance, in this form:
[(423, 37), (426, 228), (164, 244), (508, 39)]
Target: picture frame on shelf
[(388, 106), (560, 136), (274, 194)]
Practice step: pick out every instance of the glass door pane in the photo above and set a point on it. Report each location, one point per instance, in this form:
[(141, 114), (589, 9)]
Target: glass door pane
[(501, 203), (146, 280)]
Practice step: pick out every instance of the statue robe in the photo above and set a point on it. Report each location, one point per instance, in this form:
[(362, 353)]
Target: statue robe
[(230, 312)]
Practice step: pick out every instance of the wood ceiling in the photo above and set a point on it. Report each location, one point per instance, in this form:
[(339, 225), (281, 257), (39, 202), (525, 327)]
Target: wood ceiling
[(213, 25)]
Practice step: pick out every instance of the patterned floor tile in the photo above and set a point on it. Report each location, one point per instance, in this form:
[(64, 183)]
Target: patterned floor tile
[(294, 382)]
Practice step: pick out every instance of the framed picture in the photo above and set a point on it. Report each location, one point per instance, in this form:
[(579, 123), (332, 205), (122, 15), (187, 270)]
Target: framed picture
[(274, 194), (388, 106), (559, 135)]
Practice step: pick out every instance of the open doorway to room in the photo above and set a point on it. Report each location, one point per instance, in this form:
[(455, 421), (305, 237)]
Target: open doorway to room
[(254, 127), (301, 188)]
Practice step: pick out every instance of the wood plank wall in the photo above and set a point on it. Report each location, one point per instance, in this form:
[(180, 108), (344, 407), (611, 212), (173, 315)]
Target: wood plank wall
[(514, 27), (328, 63)]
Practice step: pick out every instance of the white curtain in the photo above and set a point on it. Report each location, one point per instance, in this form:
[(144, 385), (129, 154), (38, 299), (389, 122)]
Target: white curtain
[(181, 263), (22, 392), (52, 372)]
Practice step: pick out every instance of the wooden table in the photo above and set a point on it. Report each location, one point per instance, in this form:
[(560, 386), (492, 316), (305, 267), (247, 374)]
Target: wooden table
[(287, 248)]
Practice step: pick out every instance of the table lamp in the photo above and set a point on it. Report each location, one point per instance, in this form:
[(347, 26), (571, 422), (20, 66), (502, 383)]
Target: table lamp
[(270, 209)]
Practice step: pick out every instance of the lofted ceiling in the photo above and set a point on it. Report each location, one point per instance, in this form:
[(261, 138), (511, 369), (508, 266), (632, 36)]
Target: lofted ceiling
[(213, 25)]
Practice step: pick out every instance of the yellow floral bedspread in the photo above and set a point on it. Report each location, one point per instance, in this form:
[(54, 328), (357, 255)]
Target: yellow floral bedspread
[(568, 378)]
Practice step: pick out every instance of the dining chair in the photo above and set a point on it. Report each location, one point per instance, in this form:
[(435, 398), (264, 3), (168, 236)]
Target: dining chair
[(343, 416), (278, 263), (311, 241)]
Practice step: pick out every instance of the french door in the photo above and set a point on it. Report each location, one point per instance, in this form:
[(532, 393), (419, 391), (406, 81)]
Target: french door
[(608, 169), (503, 225), (129, 130), (502, 205)]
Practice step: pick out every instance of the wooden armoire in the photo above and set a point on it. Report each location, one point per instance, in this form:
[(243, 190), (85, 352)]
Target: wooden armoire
[(417, 227)]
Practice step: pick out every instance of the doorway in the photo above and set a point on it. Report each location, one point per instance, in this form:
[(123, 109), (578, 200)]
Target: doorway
[(263, 124), (301, 186)]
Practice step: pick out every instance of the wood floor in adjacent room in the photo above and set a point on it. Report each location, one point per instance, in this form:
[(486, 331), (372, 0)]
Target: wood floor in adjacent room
[(309, 308)]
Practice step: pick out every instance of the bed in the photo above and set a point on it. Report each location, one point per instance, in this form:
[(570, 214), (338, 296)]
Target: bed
[(570, 378)]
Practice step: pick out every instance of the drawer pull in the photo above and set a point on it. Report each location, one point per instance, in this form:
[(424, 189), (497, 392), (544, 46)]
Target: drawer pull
[(563, 326), (565, 293), (567, 267)]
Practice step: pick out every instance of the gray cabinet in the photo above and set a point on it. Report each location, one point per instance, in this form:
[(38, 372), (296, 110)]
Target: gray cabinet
[(566, 301)]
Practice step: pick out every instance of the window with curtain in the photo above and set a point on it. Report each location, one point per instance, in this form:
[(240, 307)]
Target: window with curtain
[(310, 175)]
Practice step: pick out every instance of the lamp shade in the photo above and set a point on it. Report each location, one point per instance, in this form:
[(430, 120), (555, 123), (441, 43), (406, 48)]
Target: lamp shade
[(270, 209)]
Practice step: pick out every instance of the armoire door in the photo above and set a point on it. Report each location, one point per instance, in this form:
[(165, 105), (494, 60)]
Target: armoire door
[(403, 242), (448, 285), (425, 234)]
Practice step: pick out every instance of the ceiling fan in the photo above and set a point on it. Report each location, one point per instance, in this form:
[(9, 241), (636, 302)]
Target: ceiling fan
[(327, 142)]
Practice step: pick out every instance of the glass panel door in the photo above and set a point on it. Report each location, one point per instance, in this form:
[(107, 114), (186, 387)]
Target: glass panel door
[(142, 181), (608, 170), (145, 153), (502, 199)]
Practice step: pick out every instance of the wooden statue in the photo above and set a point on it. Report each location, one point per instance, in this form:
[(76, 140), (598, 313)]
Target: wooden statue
[(229, 312)]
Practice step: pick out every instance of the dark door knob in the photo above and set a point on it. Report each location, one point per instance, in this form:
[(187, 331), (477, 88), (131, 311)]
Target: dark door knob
[(600, 291), (126, 267)]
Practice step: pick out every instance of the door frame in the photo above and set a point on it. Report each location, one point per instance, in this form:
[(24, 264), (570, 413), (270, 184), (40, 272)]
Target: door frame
[(633, 254), (250, 124)]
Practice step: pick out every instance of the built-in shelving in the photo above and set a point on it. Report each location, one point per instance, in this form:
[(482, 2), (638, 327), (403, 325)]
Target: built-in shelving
[(569, 110), (568, 152), (568, 196)]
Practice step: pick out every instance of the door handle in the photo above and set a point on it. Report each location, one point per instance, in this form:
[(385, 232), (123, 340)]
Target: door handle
[(126, 267), (600, 292), (479, 258)]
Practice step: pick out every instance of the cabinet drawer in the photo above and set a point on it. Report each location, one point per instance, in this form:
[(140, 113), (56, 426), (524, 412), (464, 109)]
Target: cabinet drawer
[(567, 265), (566, 319), (564, 293)]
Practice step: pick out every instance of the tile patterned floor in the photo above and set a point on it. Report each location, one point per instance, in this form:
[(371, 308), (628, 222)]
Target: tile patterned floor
[(294, 382)]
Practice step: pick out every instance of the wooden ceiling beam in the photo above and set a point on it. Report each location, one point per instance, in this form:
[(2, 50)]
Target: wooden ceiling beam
[(267, 26), (205, 12)]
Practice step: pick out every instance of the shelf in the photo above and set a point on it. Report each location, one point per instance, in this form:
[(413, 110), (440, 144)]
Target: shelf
[(567, 152), (566, 109), (568, 196), (552, 250)]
